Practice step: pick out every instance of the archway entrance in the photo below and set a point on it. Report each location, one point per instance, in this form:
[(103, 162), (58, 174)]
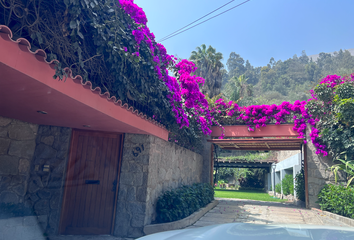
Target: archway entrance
[(271, 138)]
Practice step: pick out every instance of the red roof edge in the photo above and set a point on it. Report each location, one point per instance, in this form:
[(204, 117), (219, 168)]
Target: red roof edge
[(41, 55)]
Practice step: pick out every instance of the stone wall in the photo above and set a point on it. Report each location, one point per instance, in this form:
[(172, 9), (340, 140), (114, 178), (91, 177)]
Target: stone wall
[(282, 155), (17, 145), (170, 167), (25, 150), (150, 166), (318, 171), (45, 188)]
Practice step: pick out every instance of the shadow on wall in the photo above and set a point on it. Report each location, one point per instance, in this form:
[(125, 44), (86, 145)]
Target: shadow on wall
[(32, 166)]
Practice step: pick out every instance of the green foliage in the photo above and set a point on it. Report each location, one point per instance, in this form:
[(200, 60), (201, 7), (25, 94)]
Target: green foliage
[(209, 67), (345, 110), (182, 202), (278, 188), (288, 184), (88, 37), (335, 109), (345, 91), (300, 186), (253, 179), (237, 173), (249, 157), (238, 90), (345, 166), (337, 199), (287, 80)]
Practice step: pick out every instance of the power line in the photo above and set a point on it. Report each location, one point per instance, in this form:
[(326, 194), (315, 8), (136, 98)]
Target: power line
[(164, 39)]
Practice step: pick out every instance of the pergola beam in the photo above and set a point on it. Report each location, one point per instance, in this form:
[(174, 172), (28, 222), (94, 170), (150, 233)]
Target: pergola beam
[(271, 130)]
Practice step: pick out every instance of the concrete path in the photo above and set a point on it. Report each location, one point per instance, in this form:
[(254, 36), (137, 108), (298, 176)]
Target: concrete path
[(258, 212)]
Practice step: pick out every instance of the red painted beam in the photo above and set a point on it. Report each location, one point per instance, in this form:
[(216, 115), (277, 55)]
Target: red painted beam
[(263, 140), (282, 130)]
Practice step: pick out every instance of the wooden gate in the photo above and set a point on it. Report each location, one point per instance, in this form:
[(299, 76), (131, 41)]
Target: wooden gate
[(91, 183)]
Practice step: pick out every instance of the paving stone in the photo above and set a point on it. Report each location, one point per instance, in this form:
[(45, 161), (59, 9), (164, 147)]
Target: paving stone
[(257, 212)]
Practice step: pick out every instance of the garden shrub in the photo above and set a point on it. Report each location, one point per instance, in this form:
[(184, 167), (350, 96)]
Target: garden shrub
[(288, 184), (300, 186), (182, 202), (278, 188), (337, 199)]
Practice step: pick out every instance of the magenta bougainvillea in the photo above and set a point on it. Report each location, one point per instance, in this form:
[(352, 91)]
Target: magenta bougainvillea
[(187, 101), (185, 95)]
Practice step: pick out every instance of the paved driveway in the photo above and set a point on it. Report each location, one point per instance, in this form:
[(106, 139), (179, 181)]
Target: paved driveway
[(258, 212)]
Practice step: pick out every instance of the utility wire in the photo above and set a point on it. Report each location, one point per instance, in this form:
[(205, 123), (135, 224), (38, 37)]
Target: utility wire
[(164, 39)]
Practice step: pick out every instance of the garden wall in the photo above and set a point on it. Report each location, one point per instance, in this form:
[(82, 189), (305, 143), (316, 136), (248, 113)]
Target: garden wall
[(283, 155), (318, 171), (150, 166), (33, 162), (25, 150), (17, 145)]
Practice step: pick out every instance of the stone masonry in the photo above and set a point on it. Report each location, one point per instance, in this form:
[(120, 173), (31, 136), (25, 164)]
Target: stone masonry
[(45, 188), (17, 145), (25, 149), (150, 166), (318, 171)]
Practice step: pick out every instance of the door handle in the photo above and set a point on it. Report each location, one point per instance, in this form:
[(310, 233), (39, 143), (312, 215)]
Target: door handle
[(96, 182)]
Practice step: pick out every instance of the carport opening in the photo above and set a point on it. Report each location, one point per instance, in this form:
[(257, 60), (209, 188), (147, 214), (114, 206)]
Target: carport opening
[(243, 174), (269, 170)]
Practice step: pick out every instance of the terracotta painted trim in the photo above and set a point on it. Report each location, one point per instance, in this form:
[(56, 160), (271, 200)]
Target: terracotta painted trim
[(37, 68), (282, 130)]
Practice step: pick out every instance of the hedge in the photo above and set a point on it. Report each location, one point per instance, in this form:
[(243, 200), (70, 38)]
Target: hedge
[(182, 202), (337, 199)]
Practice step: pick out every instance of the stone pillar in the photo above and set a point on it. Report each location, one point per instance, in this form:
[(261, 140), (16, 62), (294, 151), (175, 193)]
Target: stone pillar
[(24, 150), (45, 186), (318, 171), (132, 191), (273, 178), (17, 145), (150, 167)]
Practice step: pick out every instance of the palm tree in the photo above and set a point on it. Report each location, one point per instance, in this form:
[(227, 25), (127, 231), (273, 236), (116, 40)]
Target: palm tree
[(209, 67), (237, 88)]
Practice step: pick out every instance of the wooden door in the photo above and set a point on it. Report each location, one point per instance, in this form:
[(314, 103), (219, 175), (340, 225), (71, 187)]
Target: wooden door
[(91, 183)]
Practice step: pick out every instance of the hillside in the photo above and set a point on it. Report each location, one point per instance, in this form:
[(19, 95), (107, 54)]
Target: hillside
[(280, 81), (316, 56)]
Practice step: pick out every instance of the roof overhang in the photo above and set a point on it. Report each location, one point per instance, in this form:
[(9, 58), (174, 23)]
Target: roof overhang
[(27, 86)]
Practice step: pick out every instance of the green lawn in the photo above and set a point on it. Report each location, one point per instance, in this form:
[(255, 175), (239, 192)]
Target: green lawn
[(245, 194)]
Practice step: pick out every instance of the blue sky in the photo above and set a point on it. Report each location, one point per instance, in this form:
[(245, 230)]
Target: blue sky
[(258, 30)]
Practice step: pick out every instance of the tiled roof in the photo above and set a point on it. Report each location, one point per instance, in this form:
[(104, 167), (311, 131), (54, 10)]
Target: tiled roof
[(42, 56)]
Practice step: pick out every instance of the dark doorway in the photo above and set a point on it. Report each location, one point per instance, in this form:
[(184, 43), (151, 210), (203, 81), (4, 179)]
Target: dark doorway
[(91, 183)]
